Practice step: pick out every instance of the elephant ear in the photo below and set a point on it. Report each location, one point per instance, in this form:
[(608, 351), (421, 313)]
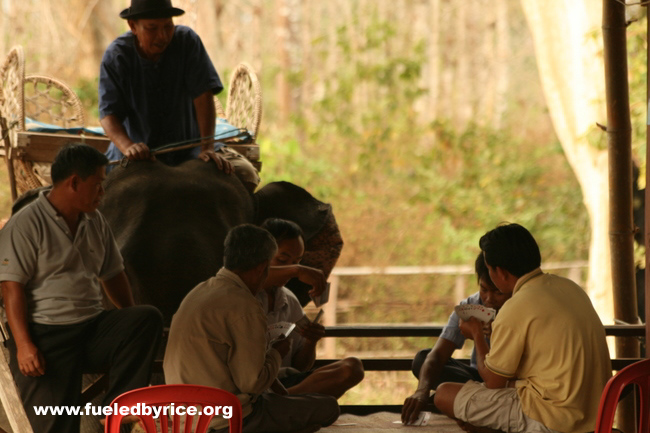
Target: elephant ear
[(323, 241)]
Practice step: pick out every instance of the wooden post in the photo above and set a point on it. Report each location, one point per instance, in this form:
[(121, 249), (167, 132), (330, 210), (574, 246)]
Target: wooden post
[(329, 316), (621, 225), (575, 275), (459, 288)]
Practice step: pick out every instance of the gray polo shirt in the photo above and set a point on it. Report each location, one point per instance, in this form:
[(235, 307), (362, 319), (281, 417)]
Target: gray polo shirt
[(60, 273)]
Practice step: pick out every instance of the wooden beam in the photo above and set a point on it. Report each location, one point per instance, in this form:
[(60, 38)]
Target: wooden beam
[(43, 147), (436, 330)]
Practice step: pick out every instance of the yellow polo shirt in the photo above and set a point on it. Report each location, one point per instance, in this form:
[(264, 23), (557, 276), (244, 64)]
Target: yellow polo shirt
[(550, 338)]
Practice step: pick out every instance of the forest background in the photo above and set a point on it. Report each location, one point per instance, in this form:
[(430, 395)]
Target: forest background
[(423, 123)]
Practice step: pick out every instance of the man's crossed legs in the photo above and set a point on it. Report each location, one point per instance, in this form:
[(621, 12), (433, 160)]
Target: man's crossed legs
[(479, 406)]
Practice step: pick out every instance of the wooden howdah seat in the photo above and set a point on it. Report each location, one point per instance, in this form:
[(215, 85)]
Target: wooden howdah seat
[(27, 100)]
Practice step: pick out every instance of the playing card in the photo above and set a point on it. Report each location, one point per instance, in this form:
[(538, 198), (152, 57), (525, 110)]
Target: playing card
[(318, 316), (482, 313), (303, 322), (324, 297), (275, 330), (423, 419)]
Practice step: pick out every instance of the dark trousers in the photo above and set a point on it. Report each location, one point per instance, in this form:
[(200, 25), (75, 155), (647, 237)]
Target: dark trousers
[(121, 343), (453, 371), (288, 413)]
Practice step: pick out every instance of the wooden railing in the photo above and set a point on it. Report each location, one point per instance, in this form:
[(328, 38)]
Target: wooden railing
[(462, 273), (400, 364)]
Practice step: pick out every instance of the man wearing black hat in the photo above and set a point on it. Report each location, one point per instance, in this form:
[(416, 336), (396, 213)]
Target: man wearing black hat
[(156, 87)]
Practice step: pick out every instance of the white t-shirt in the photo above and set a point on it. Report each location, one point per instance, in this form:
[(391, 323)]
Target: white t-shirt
[(287, 309)]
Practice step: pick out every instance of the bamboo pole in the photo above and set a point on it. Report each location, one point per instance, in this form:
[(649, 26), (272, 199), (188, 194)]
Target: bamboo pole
[(9, 152), (621, 225), (647, 200), (620, 165)]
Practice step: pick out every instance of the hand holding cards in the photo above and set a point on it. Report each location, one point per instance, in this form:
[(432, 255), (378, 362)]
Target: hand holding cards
[(279, 330), (311, 331), (482, 313), (304, 321), (323, 297)]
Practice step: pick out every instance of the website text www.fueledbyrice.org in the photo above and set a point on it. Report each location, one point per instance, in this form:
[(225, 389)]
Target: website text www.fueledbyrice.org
[(136, 410)]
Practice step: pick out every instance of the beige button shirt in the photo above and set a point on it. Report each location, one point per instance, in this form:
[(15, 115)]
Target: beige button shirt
[(218, 338)]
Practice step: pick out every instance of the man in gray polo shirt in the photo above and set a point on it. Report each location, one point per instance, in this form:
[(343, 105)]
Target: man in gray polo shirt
[(54, 253)]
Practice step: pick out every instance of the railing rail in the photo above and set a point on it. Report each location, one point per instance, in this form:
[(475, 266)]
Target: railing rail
[(462, 273)]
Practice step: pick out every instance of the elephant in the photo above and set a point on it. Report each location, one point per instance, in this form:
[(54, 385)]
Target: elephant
[(170, 224)]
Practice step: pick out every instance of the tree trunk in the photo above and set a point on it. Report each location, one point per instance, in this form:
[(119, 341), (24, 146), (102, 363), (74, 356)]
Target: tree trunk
[(501, 71), (463, 79), (282, 80), (434, 59), (571, 72)]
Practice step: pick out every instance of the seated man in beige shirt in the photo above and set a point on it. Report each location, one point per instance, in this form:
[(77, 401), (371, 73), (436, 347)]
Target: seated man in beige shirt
[(218, 338), (548, 362)]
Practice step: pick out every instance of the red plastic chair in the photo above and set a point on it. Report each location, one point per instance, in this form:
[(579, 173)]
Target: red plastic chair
[(179, 395), (637, 373)]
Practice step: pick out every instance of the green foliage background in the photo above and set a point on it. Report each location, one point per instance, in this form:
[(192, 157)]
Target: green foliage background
[(407, 193)]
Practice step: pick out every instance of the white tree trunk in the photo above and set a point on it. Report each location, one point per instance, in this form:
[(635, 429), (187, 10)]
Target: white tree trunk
[(572, 74), (434, 60)]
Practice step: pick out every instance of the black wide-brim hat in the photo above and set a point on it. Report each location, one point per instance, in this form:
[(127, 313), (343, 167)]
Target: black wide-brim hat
[(145, 9)]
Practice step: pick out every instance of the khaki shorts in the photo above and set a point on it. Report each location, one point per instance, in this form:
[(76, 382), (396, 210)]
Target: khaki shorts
[(494, 408)]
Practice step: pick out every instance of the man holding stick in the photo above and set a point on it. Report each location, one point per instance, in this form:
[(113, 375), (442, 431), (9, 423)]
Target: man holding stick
[(156, 86)]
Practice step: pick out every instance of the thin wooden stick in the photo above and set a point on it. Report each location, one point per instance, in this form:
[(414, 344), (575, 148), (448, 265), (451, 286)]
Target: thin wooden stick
[(8, 158), (160, 152)]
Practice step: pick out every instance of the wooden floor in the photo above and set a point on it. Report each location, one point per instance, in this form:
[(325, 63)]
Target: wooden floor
[(386, 422), (381, 422)]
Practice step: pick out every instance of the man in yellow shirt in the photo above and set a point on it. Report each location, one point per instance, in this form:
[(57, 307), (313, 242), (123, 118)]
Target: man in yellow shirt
[(548, 362)]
